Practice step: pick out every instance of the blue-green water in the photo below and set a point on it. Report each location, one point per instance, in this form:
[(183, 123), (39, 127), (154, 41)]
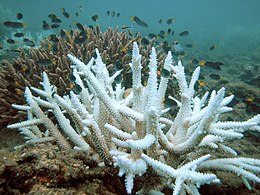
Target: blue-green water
[(205, 19)]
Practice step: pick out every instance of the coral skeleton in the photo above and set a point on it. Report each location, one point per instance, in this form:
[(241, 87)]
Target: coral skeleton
[(132, 132)]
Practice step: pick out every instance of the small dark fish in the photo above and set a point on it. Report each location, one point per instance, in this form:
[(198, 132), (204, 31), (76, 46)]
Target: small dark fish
[(202, 62), (160, 21), (184, 33), (83, 33), (151, 35), (19, 16), (162, 32), (145, 41), (214, 76), (66, 14), (45, 25), (19, 34), (55, 48), (14, 24), (170, 21), (214, 65), (46, 45), (165, 43), (56, 20), (1, 46), (142, 23), (62, 33), (169, 103), (95, 18), (127, 27), (135, 19), (52, 16), (166, 47), (130, 32), (77, 14), (123, 50), (117, 15), (10, 41), (201, 83), (118, 66), (113, 13), (77, 89), (71, 32), (189, 45), (169, 31), (212, 47), (180, 53), (94, 55), (80, 26), (44, 62), (80, 40), (55, 26), (80, 7), (108, 12), (202, 77), (72, 78), (165, 73), (118, 79), (91, 26), (172, 33), (161, 36), (53, 38), (28, 42), (194, 61)]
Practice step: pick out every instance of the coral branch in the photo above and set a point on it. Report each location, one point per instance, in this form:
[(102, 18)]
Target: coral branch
[(127, 131)]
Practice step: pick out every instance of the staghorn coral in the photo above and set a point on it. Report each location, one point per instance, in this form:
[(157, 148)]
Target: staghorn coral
[(51, 57), (131, 132)]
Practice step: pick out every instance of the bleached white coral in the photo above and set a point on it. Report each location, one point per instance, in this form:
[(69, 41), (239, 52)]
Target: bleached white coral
[(129, 167), (131, 133)]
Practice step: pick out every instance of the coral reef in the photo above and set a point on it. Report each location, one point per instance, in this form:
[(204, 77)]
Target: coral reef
[(48, 170), (131, 132), (51, 57)]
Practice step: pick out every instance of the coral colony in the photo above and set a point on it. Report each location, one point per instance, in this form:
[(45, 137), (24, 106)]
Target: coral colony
[(132, 133)]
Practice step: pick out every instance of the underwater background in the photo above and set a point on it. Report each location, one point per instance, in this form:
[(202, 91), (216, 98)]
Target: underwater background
[(232, 25), (207, 20), (223, 37)]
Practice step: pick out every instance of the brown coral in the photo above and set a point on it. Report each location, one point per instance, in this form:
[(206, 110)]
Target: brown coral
[(51, 56)]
